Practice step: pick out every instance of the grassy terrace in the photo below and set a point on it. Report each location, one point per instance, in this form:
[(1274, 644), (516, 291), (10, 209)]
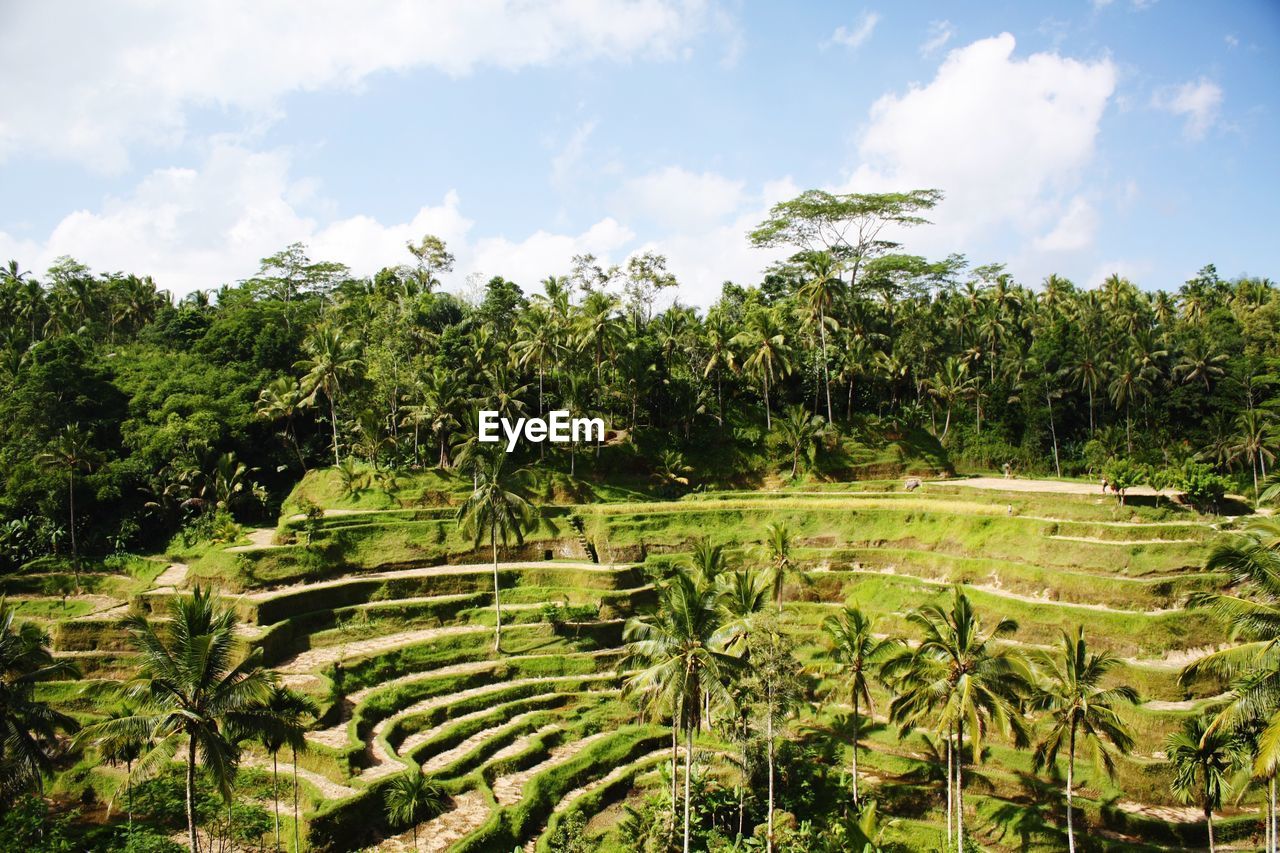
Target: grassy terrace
[(383, 613)]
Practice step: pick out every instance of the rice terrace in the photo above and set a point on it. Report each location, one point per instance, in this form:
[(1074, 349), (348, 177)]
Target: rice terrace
[(639, 426)]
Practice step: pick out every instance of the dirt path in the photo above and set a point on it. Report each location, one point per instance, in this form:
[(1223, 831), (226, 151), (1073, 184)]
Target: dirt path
[(1061, 487), (326, 786), (258, 539), (469, 812), (510, 788), (1182, 704), (1094, 540), (386, 763), (171, 578), (441, 760), (311, 660), (656, 757), (431, 571)]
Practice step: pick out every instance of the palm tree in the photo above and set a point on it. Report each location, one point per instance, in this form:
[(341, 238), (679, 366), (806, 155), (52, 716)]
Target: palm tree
[(70, 452), (774, 680), (858, 653), (124, 749), (412, 797), (768, 354), (1253, 442), (282, 399), (1087, 371), (720, 356), (1080, 708), (1132, 380), (817, 294), (949, 385), (777, 544), (537, 344), (679, 652), (333, 357), (707, 561), (1203, 760), (496, 507), (801, 433), (282, 721), (28, 727), (961, 677), (191, 685)]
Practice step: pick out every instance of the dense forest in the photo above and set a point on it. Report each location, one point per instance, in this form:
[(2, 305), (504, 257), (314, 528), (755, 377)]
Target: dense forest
[(127, 415)]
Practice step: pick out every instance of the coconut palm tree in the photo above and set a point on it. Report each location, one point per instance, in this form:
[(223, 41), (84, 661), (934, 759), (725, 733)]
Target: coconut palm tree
[(1253, 442), (801, 434), (1080, 709), (193, 688), (949, 385), (816, 294), (124, 749), (28, 727), (411, 797), (679, 657), (70, 452), (332, 358), (767, 354), (280, 721), (281, 400), (858, 653), (1203, 760), (962, 678), (777, 545), (496, 508)]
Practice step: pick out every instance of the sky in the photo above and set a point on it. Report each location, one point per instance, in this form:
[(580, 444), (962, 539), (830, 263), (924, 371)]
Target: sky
[(189, 140)]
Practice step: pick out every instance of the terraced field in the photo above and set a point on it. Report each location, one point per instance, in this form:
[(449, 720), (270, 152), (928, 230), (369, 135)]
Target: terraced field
[(385, 617)]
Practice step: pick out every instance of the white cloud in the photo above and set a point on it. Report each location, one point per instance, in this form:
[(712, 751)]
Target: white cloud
[(940, 32), (1198, 102), (681, 200), (111, 76), (856, 37), (1007, 140), (1074, 231), (196, 228)]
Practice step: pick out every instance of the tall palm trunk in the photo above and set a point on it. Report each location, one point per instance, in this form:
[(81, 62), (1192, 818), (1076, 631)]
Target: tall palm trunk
[(71, 509), (191, 794), (275, 792), (1071, 769), (1053, 431), (333, 422), (950, 798), (1208, 819), (826, 370), (688, 768), (297, 846), (769, 737), (856, 732), (497, 601), (768, 420), (960, 786)]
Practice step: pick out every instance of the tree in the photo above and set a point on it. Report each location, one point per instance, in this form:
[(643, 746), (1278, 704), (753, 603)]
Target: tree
[(1203, 759), (28, 726), (191, 685), (411, 797), (282, 721), (1123, 474), (70, 452), (767, 353), (773, 679), (949, 385), (777, 545), (801, 434), (124, 749), (1253, 443), (858, 653), (679, 659), (817, 293), (333, 357), (966, 681), (1080, 708), (281, 400), (496, 507)]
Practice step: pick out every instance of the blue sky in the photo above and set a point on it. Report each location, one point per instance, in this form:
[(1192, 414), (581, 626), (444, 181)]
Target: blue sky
[(1080, 138)]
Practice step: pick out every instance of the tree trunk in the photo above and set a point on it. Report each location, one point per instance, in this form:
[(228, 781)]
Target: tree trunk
[(75, 553), (826, 371), (675, 758), (1208, 819), (768, 421), (191, 793), (856, 732), (333, 422), (688, 768), (769, 737), (1091, 427), (1071, 769), (950, 800), (1054, 433), (275, 793), (960, 787), (297, 845), (497, 601)]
